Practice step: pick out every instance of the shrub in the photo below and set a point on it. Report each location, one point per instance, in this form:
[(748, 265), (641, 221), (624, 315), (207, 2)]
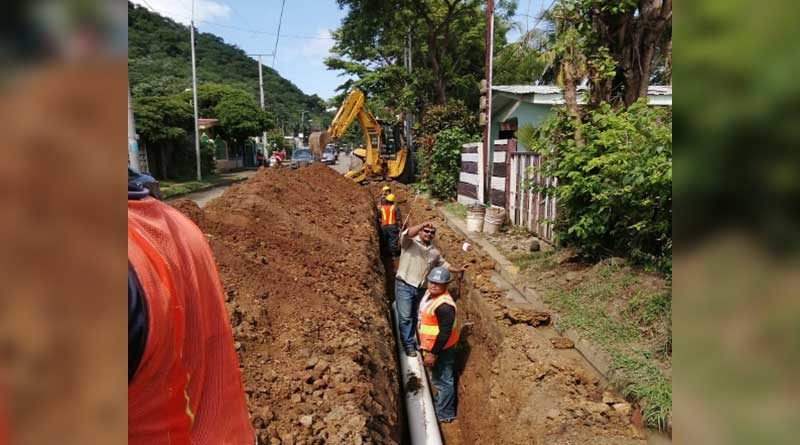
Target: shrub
[(442, 131), (615, 193), (442, 117), (445, 163)]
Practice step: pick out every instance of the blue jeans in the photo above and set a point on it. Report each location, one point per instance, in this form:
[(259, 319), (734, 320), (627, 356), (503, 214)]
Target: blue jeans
[(443, 380), (407, 298)]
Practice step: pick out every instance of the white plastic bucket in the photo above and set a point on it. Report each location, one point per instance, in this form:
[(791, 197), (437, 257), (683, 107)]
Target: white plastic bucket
[(493, 220), (475, 215)]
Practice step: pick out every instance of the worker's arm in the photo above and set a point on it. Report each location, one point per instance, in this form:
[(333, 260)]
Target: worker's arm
[(414, 230), (446, 315)]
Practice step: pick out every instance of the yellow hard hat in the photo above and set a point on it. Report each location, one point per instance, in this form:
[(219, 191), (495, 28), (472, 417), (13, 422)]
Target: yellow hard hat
[(386, 188), (390, 197)]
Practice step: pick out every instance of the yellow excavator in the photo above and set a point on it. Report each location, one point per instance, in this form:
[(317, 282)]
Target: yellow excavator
[(383, 155)]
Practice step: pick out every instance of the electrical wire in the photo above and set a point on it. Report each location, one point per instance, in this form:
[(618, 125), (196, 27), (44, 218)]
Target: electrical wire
[(278, 37), (238, 28)]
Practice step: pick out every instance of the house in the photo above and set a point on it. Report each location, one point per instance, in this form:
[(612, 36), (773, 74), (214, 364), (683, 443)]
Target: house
[(503, 176), (516, 105), (227, 157)]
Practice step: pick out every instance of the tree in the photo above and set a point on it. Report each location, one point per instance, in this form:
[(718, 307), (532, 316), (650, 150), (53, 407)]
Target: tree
[(239, 115), (162, 123), (448, 42), (620, 41), (523, 61)]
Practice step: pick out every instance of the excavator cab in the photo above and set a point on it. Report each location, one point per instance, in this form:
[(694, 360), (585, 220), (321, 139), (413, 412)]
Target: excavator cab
[(392, 142)]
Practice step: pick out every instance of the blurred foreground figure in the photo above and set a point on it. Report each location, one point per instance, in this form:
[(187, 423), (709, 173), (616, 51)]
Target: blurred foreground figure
[(184, 384)]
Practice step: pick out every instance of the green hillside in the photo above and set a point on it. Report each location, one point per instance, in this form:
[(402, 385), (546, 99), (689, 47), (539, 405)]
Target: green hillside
[(159, 64)]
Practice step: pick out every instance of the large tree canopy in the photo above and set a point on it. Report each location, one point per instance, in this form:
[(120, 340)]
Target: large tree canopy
[(447, 41)]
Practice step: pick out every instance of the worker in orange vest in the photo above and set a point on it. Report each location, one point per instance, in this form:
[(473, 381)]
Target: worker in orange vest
[(184, 383), (438, 334), (390, 229)]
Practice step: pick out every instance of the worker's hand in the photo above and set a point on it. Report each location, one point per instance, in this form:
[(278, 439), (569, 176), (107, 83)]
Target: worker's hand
[(429, 359)]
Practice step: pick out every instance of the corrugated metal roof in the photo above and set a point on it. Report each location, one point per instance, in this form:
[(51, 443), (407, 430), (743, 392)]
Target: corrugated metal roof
[(653, 90)]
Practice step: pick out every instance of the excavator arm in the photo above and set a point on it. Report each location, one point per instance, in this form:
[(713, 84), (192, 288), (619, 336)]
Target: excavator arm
[(353, 108)]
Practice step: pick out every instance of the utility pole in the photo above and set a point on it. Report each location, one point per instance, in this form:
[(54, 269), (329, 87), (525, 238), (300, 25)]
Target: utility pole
[(487, 129), (194, 95), (407, 62), (133, 146), (261, 90)]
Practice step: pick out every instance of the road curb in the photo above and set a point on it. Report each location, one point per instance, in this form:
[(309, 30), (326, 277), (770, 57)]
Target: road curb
[(595, 356)]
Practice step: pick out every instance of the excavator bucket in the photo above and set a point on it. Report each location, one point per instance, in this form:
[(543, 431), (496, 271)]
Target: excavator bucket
[(317, 142)]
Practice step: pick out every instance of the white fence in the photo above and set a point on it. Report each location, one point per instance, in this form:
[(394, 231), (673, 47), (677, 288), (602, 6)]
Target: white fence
[(514, 175), (528, 206)]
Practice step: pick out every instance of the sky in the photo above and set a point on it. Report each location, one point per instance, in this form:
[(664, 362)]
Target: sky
[(305, 41)]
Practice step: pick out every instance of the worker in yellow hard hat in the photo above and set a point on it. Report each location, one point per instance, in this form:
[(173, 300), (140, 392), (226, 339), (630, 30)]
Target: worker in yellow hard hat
[(390, 228)]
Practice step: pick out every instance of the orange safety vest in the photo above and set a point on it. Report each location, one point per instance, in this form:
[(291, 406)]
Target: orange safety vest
[(388, 215), (429, 324), (188, 387)]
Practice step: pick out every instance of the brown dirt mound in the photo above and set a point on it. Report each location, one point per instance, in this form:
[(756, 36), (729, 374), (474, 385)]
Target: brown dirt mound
[(190, 209), (298, 256)]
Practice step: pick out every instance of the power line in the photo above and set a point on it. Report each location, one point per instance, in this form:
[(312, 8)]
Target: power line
[(238, 28), (280, 21), (544, 11), (149, 5)]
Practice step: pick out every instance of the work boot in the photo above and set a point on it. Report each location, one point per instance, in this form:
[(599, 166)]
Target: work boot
[(411, 352)]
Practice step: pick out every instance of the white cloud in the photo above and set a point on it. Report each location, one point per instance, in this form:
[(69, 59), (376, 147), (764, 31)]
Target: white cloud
[(181, 10)]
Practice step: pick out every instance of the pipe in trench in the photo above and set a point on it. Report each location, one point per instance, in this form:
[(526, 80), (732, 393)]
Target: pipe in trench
[(422, 424)]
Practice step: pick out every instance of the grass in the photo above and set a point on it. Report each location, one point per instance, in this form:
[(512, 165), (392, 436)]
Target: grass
[(535, 260), (612, 310), (457, 209), (640, 379), (595, 324), (172, 188)]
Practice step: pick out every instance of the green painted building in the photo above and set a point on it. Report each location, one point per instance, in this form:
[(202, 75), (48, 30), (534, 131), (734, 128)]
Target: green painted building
[(516, 105)]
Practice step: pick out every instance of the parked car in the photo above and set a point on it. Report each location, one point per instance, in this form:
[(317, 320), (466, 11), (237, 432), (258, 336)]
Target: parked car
[(302, 157), (146, 181), (329, 156)]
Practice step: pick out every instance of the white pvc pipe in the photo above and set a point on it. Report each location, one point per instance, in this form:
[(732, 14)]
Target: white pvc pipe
[(422, 424)]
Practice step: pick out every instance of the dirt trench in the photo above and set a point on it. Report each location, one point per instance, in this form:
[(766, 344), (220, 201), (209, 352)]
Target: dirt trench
[(297, 252), (514, 387)]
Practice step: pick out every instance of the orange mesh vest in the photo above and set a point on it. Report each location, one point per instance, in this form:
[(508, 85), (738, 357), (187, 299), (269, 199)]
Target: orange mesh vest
[(388, 215), (187, 388), (429, 324)]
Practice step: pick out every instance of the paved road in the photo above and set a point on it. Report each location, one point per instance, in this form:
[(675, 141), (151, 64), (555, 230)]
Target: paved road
[(346, 163), (204, 197)]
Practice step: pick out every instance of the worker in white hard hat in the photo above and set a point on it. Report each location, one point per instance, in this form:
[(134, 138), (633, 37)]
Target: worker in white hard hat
[(438, 335), (419, 255)]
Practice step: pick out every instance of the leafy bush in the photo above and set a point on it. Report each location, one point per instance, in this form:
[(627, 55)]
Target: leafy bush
[(184, 160), (442, 117), (441, 133), (615, 193), (445, 162)]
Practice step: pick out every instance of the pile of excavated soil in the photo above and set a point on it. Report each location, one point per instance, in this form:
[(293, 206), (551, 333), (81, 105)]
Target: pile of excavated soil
[(297, 252), (514, 386)]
